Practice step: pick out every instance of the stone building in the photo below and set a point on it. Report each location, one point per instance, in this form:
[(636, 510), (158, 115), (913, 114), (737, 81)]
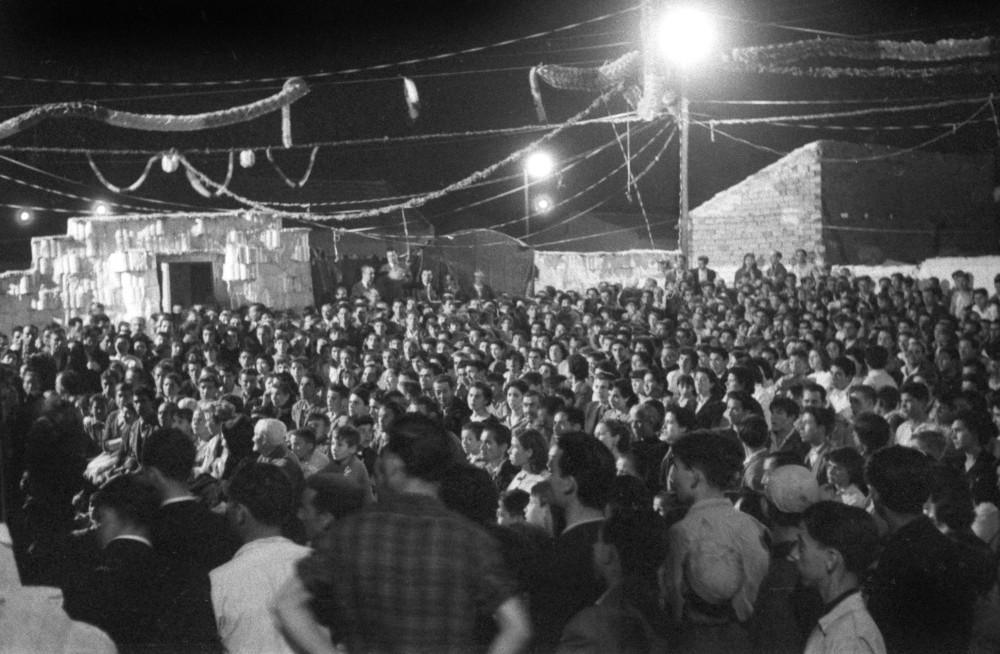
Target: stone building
[(853, 204), (145, 263)]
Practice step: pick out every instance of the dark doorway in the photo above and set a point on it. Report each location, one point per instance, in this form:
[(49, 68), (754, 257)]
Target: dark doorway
[(186, 283)]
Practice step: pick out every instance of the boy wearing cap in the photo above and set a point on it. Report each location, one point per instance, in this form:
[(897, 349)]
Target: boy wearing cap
[(835, 547), (785, 612), (716, 557)]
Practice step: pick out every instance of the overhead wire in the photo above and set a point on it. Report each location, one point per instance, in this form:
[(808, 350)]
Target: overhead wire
[(608, 176), (565, 201), (831, 101), (433, 138), (572, 162), (325, 74), (79, 183), (952, 129), (844, 114), (569, 199), (587, 237), (323, 84), (412, 203)]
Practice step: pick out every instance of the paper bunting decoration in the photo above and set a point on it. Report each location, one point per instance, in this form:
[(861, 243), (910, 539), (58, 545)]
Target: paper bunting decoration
[(169, 161), (286, 126), (247, 158)]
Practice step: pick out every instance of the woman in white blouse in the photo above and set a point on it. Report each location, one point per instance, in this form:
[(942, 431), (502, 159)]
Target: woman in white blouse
[(530, 453)]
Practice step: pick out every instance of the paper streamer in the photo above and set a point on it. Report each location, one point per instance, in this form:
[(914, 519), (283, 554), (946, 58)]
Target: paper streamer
[(293, 90)]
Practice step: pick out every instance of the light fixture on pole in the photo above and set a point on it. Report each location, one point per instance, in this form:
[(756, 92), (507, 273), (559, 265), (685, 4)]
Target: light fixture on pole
[(537, 166), (25, 216), (101, 208), (686, 37), (543, 204)]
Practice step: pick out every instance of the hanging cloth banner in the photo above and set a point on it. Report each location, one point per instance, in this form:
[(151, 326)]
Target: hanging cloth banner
[(293, 89), (908, 51)]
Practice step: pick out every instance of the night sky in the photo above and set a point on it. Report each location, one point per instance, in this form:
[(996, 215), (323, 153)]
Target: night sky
[(138, 41)]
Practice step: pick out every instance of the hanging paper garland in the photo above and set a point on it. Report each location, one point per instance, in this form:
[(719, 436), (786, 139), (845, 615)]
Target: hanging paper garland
[(305, 177), (600, 78), (831, 72), (122, 189), (536, 94), (419, 201), (202, 190), (912, 51), (293, 90)]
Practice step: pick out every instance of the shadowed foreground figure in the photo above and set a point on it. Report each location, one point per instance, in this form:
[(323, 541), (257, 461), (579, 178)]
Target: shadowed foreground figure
[(406, 574)]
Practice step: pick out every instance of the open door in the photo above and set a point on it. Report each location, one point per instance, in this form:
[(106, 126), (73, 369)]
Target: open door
[(186, 283)]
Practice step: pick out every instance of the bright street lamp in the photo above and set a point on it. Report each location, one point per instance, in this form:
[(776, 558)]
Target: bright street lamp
[(686, 36), (102, 208), (539, 165), (24, 216), (543, 204)]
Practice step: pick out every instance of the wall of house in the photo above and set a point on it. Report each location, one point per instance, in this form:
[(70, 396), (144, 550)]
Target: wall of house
[(116, 261), (777, 208), (582, 270)]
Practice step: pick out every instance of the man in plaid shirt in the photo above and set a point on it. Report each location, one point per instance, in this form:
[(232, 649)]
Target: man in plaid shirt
[(407, 574)]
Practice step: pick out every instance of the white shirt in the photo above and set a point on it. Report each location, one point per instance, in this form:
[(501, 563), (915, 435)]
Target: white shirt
[(907, 428), (525, 480), (730, 547), (243, 590), (879, 378), (840, 402), (317, 461), (847, 629)]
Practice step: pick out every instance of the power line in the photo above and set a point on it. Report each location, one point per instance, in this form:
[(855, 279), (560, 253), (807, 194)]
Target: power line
[(325, 74), (376, 140)]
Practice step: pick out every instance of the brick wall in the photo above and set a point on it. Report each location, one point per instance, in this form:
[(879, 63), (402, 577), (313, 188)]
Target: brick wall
[(777, 208)]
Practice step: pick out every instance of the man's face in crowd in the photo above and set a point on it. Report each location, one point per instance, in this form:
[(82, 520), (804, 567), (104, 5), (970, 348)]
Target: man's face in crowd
[(444, 394), (531, 406), (912, 408), (492, 451), (642, 423), (602, 388)]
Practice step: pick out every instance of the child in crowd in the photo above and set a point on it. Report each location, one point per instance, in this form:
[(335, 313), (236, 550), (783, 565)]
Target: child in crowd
[(345, 460), (845, 471)]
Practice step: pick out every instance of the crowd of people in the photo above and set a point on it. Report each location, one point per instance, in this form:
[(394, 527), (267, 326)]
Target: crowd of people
[(795, 460)]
